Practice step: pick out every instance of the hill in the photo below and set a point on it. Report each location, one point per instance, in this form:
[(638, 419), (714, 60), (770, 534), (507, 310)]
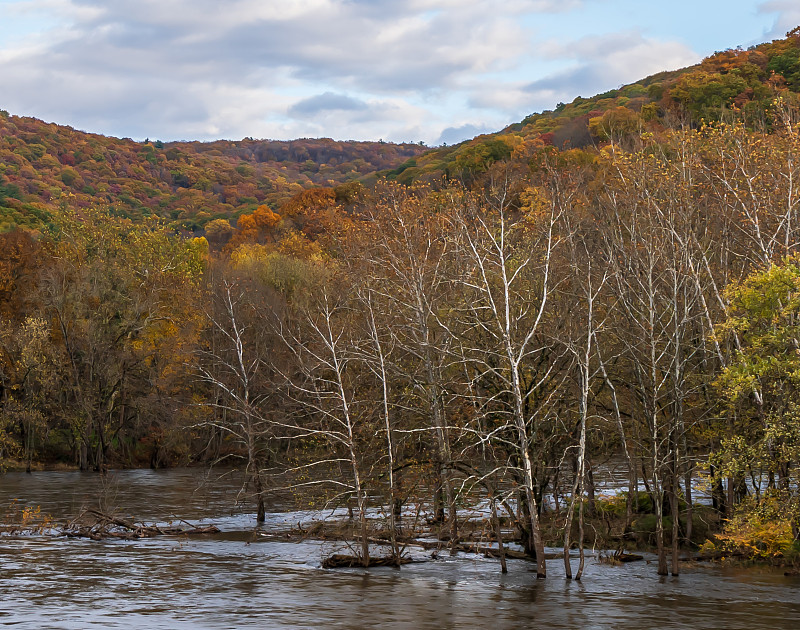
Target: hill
[(189, 183), (192, 183), (742, 81), (621, 283)]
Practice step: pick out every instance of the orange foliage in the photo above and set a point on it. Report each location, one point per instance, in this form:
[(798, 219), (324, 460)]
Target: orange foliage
[(312, 211), (733, 58), (257, 227), (309, 200), (20, 259)]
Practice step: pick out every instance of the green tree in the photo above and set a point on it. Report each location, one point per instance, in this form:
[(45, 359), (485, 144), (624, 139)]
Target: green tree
[(705, 94), (120, 298), (762, 383)]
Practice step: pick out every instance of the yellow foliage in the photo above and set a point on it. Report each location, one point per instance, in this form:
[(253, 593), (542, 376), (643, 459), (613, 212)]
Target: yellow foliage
[(249, 254), (615, 123), (535, 201), (297, 245), (759, 529)]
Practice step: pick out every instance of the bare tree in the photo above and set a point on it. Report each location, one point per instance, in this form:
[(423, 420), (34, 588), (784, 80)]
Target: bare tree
[(509, 254), (329, 383), (237, 364), (410, 263), (589, 283)]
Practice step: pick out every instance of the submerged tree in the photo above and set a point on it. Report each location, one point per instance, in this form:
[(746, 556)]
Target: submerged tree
[(238, 363)]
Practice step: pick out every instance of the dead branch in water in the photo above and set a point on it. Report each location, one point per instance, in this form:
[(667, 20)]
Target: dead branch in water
[(96, 525), (344, 561)]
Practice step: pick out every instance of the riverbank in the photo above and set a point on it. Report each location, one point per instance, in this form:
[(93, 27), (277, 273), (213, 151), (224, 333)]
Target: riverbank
[(18, 465), (609, 534)]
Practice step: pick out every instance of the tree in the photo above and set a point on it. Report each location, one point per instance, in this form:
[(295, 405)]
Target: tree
[(657, 304), (332, 386), (218, 232), (507, 286), (21, 258), (765, 441), (27, 372), (120, 297), (587, 316), (238, 362), (615, 124), (409, 265)]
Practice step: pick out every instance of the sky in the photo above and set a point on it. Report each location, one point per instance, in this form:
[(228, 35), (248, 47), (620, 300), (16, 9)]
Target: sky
[(436, 71)]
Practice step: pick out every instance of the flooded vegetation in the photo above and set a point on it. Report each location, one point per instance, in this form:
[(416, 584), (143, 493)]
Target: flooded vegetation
[(245, 576)]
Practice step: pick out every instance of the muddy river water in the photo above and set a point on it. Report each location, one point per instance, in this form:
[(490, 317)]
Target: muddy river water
[(237, 579)]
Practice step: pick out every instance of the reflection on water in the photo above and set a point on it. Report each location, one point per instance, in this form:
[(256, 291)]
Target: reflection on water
[(237, 580)]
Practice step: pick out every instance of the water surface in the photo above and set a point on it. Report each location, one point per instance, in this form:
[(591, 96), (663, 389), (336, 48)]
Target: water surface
[(239, 580)]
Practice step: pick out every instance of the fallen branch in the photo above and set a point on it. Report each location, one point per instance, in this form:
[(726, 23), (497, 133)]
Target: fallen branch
[(96, 525), (343, 561)]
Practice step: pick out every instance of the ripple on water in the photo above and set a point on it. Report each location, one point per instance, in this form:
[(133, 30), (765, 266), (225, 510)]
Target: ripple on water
[(238, 580)]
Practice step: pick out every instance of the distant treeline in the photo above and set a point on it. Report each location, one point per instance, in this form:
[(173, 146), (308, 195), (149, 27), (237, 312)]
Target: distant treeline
[(44, 167)]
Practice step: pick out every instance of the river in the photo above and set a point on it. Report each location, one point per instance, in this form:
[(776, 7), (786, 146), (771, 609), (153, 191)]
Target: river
[(237, 579)]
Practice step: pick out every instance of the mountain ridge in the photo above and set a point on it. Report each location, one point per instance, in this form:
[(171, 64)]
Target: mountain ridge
[(745, 80), (190, 183), (187, 183)]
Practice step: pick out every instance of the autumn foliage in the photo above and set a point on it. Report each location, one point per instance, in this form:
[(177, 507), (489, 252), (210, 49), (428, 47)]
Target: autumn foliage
[(614, 279)]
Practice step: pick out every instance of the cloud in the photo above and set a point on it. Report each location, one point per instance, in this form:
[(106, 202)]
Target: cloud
[(376, 44), (454, 135), (325, 102), (166, 67), (396, 69), (594, 65), (503, 96), (788, 16), (512, 6), (605, 62)]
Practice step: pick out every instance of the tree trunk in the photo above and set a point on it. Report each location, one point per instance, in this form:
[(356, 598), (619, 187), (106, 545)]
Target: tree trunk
[(689, 507), (676, 523), (658, 498), (568, 525), (536, 534), (499, 534), (581, 552), (261, 512)]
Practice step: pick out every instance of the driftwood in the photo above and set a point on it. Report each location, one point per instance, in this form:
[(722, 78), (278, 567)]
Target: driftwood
[(492, 552), (428, 545), (627, 557), (345, 561), (489, 552), (96, 525)]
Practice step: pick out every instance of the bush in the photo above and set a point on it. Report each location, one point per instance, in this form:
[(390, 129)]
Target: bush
[(760, 530)]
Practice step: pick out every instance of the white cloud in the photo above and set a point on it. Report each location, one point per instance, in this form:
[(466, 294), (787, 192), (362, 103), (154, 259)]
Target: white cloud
[(605, 62), (788, 15), (115, 64), (454, 135), (396, 69)]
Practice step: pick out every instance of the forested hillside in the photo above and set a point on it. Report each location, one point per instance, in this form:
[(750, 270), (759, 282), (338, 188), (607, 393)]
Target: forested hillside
[(43, 166), (735, 79), (492, 338)]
